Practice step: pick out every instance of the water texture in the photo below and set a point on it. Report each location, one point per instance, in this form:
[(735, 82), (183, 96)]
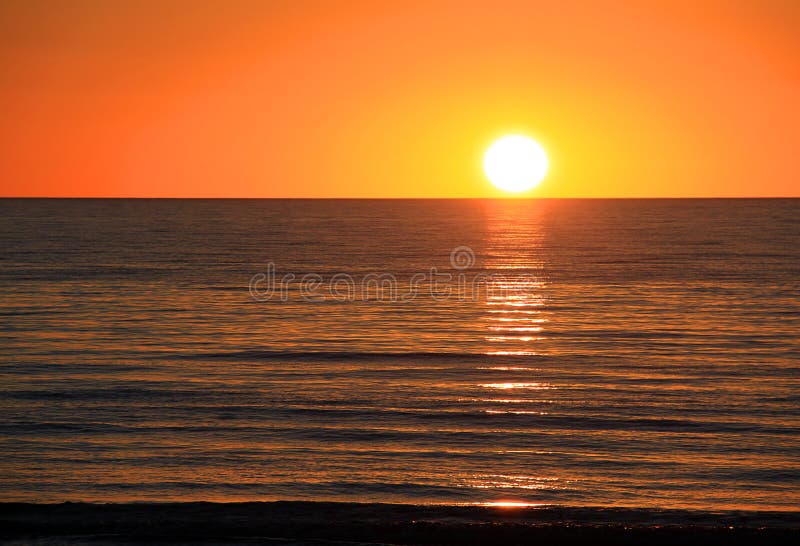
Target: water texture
[(615, 353)]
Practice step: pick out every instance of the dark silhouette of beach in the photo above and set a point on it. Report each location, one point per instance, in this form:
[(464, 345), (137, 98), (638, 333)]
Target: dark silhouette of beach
[(295, 523)]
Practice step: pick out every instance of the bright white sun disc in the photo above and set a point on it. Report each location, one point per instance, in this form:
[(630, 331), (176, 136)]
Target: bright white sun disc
[(515, 163)]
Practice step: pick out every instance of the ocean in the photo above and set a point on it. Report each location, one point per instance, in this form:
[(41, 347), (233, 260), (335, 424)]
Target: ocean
[(582, 353)]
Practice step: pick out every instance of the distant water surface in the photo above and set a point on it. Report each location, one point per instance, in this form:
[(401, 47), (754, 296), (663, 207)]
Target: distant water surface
[(619, 353)]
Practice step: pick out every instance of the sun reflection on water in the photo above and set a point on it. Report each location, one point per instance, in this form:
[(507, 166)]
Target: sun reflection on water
[(514, 325), (531, 386), (514, 259), (512, 504)]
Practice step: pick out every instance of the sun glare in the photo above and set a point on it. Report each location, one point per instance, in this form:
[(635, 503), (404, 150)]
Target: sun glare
[(515, 163), (512, 504)]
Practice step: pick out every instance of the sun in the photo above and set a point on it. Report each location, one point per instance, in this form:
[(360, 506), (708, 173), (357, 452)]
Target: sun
[(515, 163)]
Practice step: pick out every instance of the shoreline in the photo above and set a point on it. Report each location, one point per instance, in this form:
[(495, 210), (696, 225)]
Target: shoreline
[(308, 522)]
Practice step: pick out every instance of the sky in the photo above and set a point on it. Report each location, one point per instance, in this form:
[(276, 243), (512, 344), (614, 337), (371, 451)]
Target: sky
[(202, 98)]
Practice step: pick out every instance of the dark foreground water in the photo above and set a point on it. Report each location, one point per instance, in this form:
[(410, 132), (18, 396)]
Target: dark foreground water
[(617, 353)]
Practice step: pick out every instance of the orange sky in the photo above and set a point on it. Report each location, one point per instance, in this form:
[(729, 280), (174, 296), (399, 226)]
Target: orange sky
[(202, 98)]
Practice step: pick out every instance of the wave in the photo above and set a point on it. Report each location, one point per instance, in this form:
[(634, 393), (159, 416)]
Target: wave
[(343, 355), (310, 421)]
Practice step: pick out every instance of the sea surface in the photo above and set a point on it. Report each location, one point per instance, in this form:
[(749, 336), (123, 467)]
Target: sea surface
[(599, 353)]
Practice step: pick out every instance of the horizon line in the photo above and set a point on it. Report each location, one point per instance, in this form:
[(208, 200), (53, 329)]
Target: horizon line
[(496, 198)]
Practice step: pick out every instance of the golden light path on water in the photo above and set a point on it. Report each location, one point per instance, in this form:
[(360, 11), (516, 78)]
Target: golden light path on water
[(514, 323), (512, 504), (514, 262)]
